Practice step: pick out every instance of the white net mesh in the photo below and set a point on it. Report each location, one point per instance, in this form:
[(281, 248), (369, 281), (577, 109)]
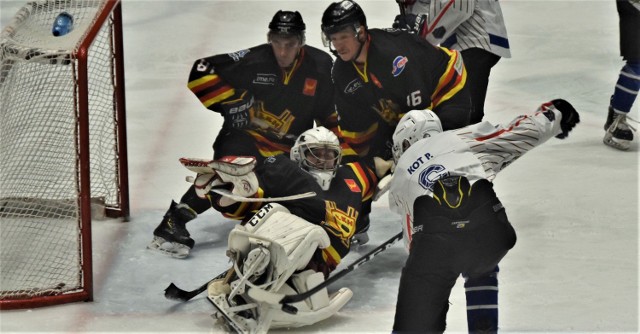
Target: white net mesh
[(40, 240)]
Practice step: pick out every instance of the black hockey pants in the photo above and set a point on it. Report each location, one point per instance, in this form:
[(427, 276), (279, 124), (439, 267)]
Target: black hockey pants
[(478, 63), (469, 238)]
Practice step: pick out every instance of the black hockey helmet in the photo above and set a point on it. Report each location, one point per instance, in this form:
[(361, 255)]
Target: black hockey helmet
[(287, 23), (342, 14)]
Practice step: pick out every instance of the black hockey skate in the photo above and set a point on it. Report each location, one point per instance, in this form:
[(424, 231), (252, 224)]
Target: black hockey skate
[(619, 133), (171, 236)]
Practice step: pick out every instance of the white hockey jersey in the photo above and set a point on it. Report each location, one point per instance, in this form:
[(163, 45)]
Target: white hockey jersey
[(464, 24), (478, 151)]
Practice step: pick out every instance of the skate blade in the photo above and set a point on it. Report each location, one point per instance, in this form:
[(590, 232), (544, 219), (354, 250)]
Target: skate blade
[(619, 144), (173, 249)]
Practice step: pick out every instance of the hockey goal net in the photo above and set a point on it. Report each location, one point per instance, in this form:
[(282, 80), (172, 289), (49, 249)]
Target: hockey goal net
[(62, 147)]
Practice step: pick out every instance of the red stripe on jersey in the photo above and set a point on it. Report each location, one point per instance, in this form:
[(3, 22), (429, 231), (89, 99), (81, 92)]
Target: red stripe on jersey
[(214, 95), (498, 133), (409, 230), (427, 31), (207, 84)]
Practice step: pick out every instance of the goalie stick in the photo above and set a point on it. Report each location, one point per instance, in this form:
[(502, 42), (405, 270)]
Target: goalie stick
[(175, 293), (279, 298), (237, 198)]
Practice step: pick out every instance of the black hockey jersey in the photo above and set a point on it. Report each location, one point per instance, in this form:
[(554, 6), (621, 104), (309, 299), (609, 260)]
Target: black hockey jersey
[(402, 73), (352, 186), (337, 210), (286, 102), (279, 176)]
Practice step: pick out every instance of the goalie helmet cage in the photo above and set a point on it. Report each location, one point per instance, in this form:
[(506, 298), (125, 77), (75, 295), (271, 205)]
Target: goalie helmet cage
[(63, 147)]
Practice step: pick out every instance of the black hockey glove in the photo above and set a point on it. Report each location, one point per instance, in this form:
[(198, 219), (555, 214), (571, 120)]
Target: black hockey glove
[(414, 24), (237, 109), (570, 117)]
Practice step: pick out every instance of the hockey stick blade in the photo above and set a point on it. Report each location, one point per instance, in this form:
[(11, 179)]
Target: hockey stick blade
[(175, 293), (229, 194), (279, 298)]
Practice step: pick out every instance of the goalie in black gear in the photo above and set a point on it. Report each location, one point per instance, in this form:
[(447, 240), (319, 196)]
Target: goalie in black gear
[(278, 250), (247, 88)]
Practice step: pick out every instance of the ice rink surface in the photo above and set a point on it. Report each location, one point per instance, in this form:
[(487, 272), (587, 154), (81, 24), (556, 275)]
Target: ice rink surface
[(574, 203)]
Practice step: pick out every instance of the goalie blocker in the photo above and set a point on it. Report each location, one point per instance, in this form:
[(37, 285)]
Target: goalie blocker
[(271, 252)]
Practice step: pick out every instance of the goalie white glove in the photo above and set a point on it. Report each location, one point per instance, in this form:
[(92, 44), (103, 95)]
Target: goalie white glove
[(237, 170)]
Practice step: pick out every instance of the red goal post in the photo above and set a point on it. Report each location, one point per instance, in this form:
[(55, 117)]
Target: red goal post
[(63, 146)]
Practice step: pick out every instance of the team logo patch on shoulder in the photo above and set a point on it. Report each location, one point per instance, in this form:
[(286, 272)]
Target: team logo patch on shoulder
[(353, 86), (239, 54), (398, 65), (353, 186), (310, 87)]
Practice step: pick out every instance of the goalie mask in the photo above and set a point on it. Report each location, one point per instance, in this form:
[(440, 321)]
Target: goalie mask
[(318, 152), (413, 126)]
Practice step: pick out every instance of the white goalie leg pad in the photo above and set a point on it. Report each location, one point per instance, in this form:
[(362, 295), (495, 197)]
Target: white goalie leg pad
[(318, 307), (239, 241), (291, 241)]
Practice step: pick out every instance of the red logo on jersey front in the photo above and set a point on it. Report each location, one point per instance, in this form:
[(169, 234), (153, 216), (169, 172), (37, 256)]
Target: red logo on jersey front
[(353, 186), (310, 87)]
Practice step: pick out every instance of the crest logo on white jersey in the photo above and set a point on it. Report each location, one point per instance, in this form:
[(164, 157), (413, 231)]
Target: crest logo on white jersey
[(430, 175)]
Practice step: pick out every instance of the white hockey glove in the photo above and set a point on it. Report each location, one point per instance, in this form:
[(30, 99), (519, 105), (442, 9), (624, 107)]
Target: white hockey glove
[(235, 170), (203, 183), (383, 167)]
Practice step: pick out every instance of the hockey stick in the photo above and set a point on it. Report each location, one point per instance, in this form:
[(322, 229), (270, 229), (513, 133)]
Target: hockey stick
[(279, 298), (401, 6), (237, 198), (175, 293)]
